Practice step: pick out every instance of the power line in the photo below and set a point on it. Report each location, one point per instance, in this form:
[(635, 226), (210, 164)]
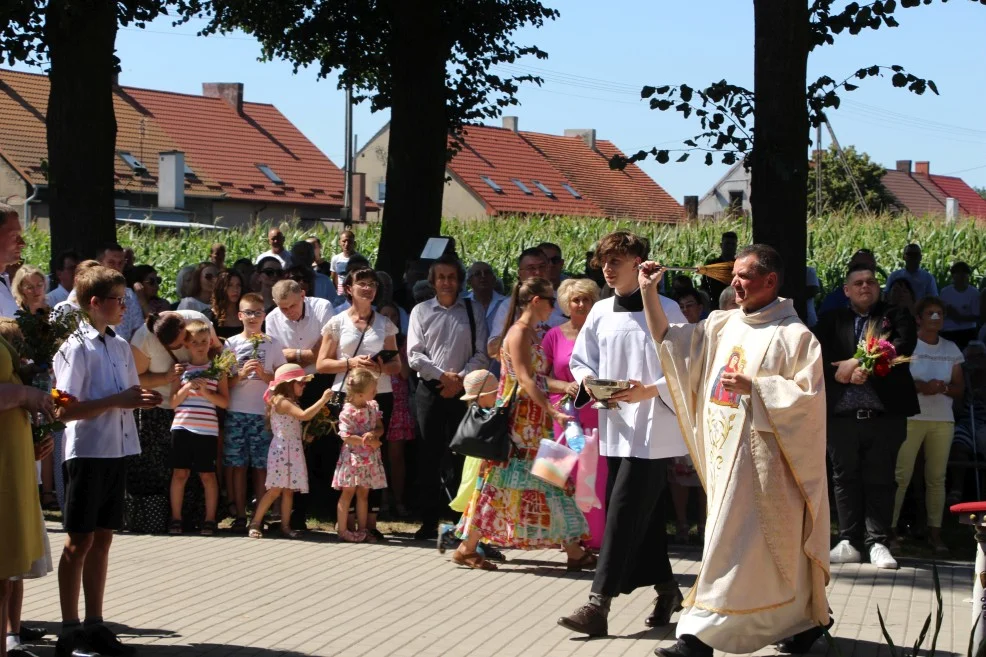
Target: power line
[(952, 173)]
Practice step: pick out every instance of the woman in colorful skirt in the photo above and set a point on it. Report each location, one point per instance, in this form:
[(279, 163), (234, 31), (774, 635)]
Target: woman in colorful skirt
[(510, 507)]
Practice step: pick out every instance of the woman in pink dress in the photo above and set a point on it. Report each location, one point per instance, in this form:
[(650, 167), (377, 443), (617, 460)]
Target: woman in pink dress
[(576, 297)]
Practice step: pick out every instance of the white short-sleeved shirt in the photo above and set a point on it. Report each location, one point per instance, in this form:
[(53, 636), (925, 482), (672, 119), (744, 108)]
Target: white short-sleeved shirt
[(284, 257), (91, 366), (247, 396), (8, 306), (935, 361), (306, 333), (347, 336), (56, 296), (966, 302), (158, 355), (338, 264)]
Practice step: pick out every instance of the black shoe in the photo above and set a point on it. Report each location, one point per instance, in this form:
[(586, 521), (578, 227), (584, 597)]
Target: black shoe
[(490, 553), (587, 619), (426, 533), (687, 645), (802, 642), (74, 643), (447, 540), (20, 650), (102, 640), (377, 534), (29, 634), (665, 605)]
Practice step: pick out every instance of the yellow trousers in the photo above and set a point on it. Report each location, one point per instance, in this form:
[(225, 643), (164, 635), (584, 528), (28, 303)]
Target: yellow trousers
[(936, 437)]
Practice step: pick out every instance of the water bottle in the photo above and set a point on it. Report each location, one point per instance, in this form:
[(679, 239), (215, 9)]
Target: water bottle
[(574, 436)]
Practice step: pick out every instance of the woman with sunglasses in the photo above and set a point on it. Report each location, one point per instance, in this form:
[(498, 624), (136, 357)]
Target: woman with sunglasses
[(201, 285), (146, 284), (224, 313), (270, 271)]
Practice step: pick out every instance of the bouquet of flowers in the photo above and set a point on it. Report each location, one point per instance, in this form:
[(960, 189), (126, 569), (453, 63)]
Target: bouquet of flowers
[(256, 340), (876, 354), (43, 333), (40, 428), (221, 365), (323, 424)]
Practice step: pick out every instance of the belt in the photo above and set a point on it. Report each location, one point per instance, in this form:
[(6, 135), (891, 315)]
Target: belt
[(862, 414)]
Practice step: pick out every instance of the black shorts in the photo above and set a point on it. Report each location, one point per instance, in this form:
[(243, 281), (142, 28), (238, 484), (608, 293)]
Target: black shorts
[(94, 491), (193, 451)]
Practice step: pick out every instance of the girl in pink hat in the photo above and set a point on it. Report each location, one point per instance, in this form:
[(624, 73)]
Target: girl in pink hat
[(286, 471)]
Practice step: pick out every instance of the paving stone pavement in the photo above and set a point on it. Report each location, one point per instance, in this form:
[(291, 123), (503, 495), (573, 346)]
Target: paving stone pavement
[(230, 595)]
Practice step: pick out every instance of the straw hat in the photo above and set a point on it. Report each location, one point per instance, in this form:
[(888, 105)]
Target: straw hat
[(284, 373), (477, 384)]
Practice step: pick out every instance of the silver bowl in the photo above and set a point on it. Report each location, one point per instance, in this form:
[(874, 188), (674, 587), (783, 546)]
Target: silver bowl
[(602, 390)]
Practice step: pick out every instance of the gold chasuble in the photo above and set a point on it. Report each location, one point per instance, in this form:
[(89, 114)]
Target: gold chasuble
[(761, 460)]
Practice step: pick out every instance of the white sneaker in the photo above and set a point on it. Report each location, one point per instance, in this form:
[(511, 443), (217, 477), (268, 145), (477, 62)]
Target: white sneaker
[(881, 558), (844, 552)]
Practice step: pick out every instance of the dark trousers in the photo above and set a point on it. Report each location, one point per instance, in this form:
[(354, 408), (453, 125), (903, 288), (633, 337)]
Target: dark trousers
[(635, 544), (864, 457), (438, 418)]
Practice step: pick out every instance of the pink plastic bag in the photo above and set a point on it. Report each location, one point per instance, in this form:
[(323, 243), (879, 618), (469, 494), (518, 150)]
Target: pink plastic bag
[(585, 477)]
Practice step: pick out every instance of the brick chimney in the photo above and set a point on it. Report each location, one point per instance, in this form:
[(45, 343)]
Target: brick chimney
[(231, 92), (691, 207), (924, 168), (904, 165), (359, 198), (510, 123), (588, 135)]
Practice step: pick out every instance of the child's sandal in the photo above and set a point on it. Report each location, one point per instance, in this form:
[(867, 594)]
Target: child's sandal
[(174, 527), (254, 532), (349, 537), (291, 533), (208, 528)]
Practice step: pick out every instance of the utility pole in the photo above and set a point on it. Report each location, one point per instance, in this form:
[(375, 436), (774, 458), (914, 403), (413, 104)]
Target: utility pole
[(347, 195), (845, 165), (818, 171)]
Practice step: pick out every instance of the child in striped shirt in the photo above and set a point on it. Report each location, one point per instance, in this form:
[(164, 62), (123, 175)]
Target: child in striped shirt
[(195, 429)]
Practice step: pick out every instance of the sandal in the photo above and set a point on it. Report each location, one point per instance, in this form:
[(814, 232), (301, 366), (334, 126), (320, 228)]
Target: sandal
[(472, 560), (586, 562), (254, 532), (174, 527), (208, 528), (350, 537), (290, 534), (239, 525)]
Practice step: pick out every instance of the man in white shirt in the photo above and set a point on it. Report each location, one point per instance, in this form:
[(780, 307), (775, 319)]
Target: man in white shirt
[(481, 280), (64, 266), (531, 263), (961, 307), (11, 244), (921, 280), (338, 262), (112, 256), (276, 240)]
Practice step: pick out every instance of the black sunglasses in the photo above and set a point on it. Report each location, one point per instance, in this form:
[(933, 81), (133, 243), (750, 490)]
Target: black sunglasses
[(551, 300), (271, 272)]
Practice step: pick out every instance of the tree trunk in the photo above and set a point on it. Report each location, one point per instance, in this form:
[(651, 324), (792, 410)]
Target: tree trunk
[(417, 153), (780, 149), (81, 36)]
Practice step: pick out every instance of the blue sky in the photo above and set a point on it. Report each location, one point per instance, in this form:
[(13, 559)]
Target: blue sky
[(602, 53)]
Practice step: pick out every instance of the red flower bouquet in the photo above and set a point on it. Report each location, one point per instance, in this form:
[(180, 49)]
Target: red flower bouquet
[(876, 354)]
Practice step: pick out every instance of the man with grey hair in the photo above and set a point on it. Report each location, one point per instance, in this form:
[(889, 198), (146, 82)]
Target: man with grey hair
[(303, 255), (11, 244)]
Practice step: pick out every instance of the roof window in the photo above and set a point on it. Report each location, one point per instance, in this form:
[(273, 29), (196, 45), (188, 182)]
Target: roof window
[(267, 171), (489, 181), (133, 163), (189, 173), (540, 185), (571, 190), (521, 186)]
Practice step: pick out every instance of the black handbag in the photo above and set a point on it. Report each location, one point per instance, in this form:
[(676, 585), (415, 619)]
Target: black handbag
[(485, 433), (338, 398)]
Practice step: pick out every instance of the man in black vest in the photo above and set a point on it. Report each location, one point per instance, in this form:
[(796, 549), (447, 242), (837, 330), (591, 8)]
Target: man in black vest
[(867, 416)]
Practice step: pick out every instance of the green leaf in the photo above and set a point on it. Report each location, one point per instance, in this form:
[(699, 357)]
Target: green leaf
[(663, 90), (708, 159), (684, 156), (685, 92), (899, 80), (886, 635), (662, 157), (850, 87), (647, 92), (933, 86)]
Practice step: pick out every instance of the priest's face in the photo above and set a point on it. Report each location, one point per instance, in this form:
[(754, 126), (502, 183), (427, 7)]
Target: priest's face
[(620, 272), (753, 288)]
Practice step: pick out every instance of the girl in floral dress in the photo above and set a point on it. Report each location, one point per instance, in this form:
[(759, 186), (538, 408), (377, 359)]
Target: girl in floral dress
[(286, 471), (511, 507), (360, 466)]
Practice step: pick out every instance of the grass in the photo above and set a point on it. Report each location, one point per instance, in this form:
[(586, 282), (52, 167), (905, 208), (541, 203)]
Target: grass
[(832, 239)]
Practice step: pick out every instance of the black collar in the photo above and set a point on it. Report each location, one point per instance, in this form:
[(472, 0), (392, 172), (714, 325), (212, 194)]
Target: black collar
[(633, 303)]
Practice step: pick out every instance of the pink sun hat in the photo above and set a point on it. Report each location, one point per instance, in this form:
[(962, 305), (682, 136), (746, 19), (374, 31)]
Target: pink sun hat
[(284, 373)]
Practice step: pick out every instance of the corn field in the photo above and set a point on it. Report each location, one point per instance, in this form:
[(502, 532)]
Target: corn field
[(832, 240)]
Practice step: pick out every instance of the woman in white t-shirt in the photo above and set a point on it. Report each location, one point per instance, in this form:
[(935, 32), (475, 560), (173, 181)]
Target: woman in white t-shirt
[(351, 340), (936, 366)]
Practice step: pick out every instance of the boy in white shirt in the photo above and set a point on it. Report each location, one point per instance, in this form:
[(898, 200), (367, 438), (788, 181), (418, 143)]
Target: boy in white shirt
[(247, 437), (96, 367)]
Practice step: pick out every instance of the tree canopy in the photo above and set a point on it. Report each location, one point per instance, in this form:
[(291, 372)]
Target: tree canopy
[(837, 190)]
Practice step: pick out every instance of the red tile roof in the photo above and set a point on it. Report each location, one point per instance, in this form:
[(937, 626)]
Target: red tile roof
[(222, 147), (504, 155), (915, 196), (629, 193), (970, 202)]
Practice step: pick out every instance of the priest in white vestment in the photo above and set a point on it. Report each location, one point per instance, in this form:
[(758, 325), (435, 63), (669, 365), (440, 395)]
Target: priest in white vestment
[(748, 388), (638, 440)]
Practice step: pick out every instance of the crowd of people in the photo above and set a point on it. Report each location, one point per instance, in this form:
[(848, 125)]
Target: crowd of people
[(317, 384)]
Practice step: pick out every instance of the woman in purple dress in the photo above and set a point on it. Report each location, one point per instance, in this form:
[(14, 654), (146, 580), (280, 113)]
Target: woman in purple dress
[(576, 297)]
